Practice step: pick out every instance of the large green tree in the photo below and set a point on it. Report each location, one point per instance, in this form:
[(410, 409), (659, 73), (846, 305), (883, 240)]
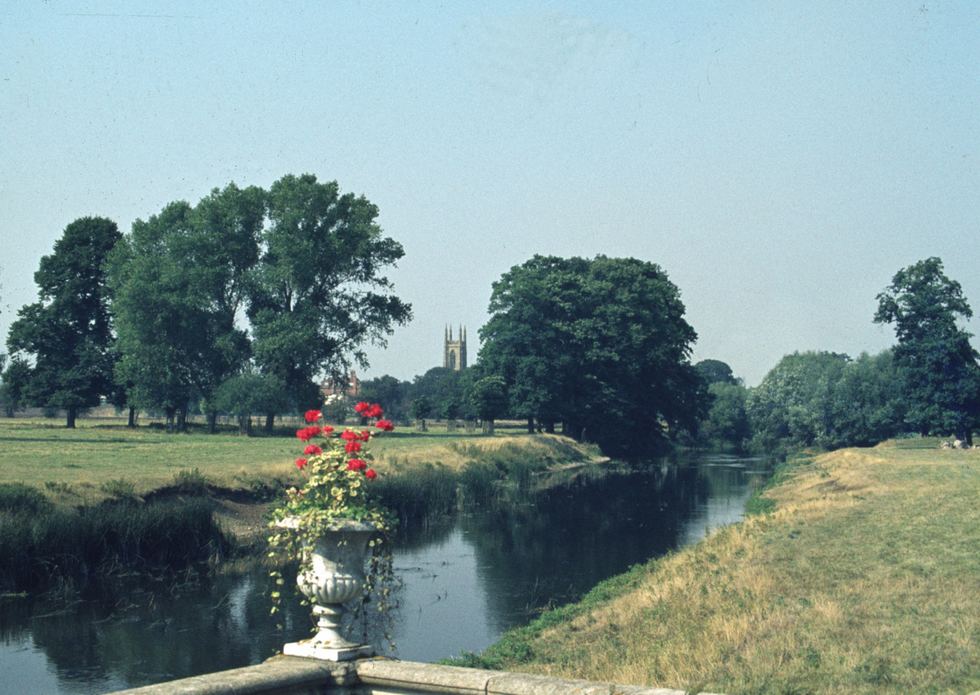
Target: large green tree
[(715, 372), (792, 406), (600, 344), (319, 292), (179, 281), (68, 331), (16, 381), (938, 362)]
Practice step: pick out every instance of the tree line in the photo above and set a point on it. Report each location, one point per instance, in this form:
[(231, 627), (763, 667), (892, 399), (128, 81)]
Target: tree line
[(241, 302), (237, 303), (928, 383), (601, 347)]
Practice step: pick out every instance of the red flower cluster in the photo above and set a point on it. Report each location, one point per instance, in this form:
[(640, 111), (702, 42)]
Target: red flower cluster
[(307, 433), (352, 440), (356, 465), (365, 409)]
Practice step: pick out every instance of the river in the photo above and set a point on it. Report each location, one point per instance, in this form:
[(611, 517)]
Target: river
[(465, 581)]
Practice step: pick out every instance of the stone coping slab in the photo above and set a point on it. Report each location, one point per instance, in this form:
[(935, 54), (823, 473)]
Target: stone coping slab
[(303, 676), (280, 674), (435, 678)]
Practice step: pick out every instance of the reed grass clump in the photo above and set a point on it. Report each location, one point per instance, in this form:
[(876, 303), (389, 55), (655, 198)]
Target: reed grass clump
[(41, 545), (419, 493)]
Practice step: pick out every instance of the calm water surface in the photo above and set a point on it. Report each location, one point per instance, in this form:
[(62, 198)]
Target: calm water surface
[(465, 581)]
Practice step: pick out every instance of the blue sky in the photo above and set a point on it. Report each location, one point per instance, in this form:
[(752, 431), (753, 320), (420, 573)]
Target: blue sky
[(779, 160)]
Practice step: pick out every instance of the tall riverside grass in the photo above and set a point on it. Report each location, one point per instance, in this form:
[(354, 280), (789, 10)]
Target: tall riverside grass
[(419, 493), (860, 577), (43, 546)]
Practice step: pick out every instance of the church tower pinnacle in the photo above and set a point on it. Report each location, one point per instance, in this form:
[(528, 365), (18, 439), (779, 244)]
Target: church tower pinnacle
[(454, 350)]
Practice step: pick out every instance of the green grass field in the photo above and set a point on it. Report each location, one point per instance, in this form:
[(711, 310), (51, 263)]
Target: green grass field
[(865, 578), (84, 465)]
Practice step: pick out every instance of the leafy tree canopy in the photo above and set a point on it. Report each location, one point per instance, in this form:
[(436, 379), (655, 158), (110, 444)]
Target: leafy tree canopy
[(68, 331), (600, 344), (938, 363), (319, 293), (179, 280), (715, 372)]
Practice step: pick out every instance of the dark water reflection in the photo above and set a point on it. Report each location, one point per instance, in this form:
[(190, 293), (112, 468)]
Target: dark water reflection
[(465, 581)]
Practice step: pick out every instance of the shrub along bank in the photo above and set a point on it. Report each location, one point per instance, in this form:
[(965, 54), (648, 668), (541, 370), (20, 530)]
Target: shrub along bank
[(861, 578)]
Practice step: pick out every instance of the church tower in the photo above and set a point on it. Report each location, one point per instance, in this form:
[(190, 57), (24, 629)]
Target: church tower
[(454, 353)]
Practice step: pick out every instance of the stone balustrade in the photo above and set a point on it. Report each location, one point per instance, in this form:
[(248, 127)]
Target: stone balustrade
[(286, 675)]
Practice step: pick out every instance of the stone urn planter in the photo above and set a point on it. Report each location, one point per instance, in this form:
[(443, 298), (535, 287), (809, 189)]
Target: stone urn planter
[(334, 576)]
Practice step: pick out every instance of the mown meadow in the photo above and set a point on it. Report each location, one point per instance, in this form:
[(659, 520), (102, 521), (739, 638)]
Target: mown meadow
[(858, 573)]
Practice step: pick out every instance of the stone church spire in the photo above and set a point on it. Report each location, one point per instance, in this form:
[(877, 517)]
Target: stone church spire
[(454, 350)]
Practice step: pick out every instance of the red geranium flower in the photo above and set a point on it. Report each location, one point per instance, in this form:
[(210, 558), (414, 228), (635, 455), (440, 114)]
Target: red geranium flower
[(385, 425), (356, 465), (326, 429), (349, 435), (312, 449), (374, 410), (361, 407), (307, 433), (313, 415), (352, 447), (364, 436), (370, 474), (300, 463)]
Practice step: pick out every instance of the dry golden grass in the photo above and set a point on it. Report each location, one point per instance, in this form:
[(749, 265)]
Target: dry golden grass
[(865, 579)]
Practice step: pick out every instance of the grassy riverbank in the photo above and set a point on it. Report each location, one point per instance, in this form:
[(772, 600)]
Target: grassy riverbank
[(103, 499), (863, 577), (99, 460)]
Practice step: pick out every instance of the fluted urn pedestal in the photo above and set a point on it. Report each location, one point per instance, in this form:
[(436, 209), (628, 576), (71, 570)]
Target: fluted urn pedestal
[(335, 576)]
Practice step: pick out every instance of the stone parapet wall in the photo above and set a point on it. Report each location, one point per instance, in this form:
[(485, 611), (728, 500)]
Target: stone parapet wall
[(297, 676)]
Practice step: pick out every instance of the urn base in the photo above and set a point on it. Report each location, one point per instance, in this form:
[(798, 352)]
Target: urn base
[(312, 650)]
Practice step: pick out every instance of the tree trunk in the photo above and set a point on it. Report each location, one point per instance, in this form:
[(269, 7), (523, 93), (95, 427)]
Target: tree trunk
[(182, 420), (169, 412), (131, 422), (212, 422), (421, 425), (549, 427), (248, 425), (488, 426), (530, 425), (270, 419), (72, 413), (242, 429)]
